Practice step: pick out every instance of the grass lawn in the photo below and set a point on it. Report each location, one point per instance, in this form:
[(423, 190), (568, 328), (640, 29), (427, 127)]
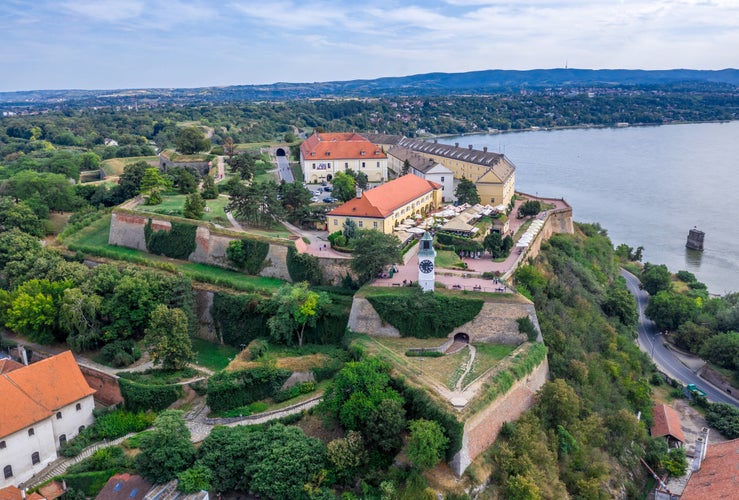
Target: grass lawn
[(94, 240), (297, 171), (57, 222), (487, 356), (447, 259), (174, 204), (213, 356), (115, 166)]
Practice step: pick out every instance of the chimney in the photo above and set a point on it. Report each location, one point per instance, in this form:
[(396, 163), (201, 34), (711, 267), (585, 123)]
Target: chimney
[(484, 149), (23, 355), (23, 494), (701, 445), (469, 147), (456, 144), (436, 141)]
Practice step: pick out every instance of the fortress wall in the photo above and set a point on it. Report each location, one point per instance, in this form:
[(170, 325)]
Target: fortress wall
[(127, 230), (334, 270), (496, 323), (364, 319), (481, 430)]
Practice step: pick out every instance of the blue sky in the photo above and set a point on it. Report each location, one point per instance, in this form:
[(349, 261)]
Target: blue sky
[(108, 44)]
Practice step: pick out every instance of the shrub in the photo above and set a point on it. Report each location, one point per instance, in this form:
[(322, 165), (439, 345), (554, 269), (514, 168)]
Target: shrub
[(724, 418), (142, 397), (423, 353), (88, 482), (228, 390), (303, 267), (247, 254), (238, 318), (177, 243), (459, 243), (120, 353), (525, 325)]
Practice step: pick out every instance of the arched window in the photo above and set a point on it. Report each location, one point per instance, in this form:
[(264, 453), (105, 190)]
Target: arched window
[(78, 407), (35, 458), (58, 415), (62, 439), (31, 432), (8, 471)]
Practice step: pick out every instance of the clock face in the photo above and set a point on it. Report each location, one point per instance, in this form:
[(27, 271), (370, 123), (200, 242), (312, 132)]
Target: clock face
[(426, 266)]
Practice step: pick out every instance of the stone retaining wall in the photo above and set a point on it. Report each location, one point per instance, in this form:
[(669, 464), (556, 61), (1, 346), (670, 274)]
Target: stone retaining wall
[(481, 430), (364, 319)]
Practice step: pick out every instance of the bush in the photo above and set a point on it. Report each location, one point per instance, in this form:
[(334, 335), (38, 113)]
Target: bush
[(303, 267), (724, 418), (247, 254), (228, 390), (238, 318), (423, 353), (459, 243), (88, 482), (525, 325), (141, 397), (120, 353), (294, 391), (177, 243)]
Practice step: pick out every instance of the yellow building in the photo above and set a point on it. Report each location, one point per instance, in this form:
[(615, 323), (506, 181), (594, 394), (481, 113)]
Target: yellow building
[(493, 174), (382, 207), (322, 156)]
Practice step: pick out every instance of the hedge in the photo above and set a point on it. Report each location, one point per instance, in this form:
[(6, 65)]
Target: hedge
[(303, 267), (142, 397), (227, 390), (88, 482), (238, 318), (459, 242), (251, 255), (423, 315), (177, 243)]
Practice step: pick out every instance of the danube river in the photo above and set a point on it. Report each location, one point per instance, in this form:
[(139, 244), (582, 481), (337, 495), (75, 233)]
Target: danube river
[(647, 186)]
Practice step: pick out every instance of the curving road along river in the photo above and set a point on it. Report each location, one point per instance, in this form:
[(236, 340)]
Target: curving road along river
[(650, 342)]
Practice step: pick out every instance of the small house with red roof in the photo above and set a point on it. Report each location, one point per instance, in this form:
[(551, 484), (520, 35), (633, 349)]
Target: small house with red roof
[(323, 155), (42, 406), (383, 207), (667, 425), (717, 476)]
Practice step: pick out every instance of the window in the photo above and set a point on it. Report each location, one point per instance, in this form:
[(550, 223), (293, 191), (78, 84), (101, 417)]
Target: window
[(346, 165), (442, 178), (35, 458), (314, 166), (492, 200), (328, 153), (364, 164), (378, 164), (79, 406), (62, 440), (2, 445), (375, 224), (8, 471), (82, 428), (31, 432), (336, 222), (361, 223), (58, 415)]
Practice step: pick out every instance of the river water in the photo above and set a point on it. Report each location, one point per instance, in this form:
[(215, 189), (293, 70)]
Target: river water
[(647, 186)]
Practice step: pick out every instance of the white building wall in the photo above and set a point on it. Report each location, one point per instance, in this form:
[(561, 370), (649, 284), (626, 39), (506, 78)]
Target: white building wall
[(440, 175), (317, 170), (72, 419), (19, 448)]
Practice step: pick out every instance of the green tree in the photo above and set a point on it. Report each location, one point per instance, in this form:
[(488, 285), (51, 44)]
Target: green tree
[(152, 184), (166, 450), (722, 349), (19, 215), (360, 178), (191, 140), (466, 192), (183, 180), (724, 418), (406, 167), (347, 455), (244, 164), (295, 307), (383, 428), (344, 186), (209, 190), (167, 338), (670, 310), (620, 303), (529, 208), (89, 161), (195, 479), (426, 444), (256, 204), (194, 206), (79, 316), (129, 183), (229, 148), (295, 197), (373, 251), (655, 278), (34, 309), (350, 229)]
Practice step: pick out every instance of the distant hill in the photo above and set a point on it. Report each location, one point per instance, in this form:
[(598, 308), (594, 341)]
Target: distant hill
[(474, 82)]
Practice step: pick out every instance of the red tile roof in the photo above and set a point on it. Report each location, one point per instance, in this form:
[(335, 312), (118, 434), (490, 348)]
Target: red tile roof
[(667, 422), (8, 365), (124, 487), (381, 201), (718, 476), (14, 493), (339, 146), (37, 391)]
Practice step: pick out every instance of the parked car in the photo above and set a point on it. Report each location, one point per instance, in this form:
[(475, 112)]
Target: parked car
[(329, 199), (328, 189)]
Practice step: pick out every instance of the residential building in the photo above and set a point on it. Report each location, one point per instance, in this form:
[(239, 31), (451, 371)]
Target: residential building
[(42, 406), (384, 207), (323, 155), (667, 425), (426, 168), (716, 477)]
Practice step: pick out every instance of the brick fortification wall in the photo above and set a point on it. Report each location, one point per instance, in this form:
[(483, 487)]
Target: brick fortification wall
[(481, 430), (364, 319), (334, 270), (127, 230)]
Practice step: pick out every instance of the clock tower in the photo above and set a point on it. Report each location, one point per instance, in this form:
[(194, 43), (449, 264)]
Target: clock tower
[(426, 256)]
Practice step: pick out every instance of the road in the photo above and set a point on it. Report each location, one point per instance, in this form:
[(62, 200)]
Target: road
[(650, 342), (283, 168)]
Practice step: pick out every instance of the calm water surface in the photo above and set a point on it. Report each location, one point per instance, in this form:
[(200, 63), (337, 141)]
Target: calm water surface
[(647, 186)]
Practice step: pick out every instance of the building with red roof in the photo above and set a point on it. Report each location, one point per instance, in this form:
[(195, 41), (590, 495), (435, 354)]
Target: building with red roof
[(387, 205), (667, 425), (718, 475), (42, 406), (323, 155)]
